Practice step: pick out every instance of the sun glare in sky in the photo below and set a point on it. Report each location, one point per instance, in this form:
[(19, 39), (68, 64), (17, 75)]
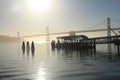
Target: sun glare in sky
[(39, 5)]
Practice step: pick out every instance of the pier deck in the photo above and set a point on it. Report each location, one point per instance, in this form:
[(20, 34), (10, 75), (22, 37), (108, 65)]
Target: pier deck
[(83, 42)]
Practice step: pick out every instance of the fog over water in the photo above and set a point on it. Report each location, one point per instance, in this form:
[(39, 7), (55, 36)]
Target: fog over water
[(56, 64)]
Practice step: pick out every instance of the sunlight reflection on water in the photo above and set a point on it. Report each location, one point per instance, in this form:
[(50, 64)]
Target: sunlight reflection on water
[(41, 74)]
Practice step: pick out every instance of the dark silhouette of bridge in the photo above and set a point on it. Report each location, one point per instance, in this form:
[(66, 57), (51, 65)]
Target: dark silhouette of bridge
[(81, 31)]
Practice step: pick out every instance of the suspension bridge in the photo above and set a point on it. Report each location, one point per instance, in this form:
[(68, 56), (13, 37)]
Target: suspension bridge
[(108, 29)]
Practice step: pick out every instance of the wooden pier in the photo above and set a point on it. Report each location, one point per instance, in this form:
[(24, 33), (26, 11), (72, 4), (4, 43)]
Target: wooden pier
[(82, 42)]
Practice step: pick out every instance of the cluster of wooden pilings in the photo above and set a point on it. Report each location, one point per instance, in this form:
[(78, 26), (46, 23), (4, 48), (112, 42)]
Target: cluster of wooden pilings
[(27, 47), (78, 45)]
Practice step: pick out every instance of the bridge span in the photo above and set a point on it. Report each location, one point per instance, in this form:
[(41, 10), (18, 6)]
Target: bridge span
[(81, 31)]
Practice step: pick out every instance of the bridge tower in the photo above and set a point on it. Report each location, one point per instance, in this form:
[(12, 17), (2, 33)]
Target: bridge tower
[(108, 27), (47, 34), (18, 34), (109, 34)]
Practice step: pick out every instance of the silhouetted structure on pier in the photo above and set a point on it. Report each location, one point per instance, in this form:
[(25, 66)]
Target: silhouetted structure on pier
[(76, 42), (82, 42)]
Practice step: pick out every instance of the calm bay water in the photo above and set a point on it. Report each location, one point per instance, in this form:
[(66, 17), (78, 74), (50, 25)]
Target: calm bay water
[(48, 64)]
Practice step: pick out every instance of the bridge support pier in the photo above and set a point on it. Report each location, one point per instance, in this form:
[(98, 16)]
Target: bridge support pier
[(109, 35), (93, 46), (47, 32)]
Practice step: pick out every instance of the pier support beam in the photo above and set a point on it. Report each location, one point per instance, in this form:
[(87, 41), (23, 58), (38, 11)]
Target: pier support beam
[(91, 46), (118, 46), (94, 46)]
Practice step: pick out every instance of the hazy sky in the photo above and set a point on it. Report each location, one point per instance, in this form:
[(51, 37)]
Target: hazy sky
[(60, 15)]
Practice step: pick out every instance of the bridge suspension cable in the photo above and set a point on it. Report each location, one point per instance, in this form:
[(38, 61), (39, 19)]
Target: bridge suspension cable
[(116, 20), (98, 24)]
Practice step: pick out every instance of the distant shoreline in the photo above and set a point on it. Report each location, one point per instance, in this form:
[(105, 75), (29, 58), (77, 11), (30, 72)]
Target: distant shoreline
[(9, 39)]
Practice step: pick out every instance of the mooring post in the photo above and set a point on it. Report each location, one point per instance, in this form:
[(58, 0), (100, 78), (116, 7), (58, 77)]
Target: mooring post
[(80, 46)]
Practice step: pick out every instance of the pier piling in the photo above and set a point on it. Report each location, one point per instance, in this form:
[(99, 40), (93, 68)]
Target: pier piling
[(94, 45), (118, 46)]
